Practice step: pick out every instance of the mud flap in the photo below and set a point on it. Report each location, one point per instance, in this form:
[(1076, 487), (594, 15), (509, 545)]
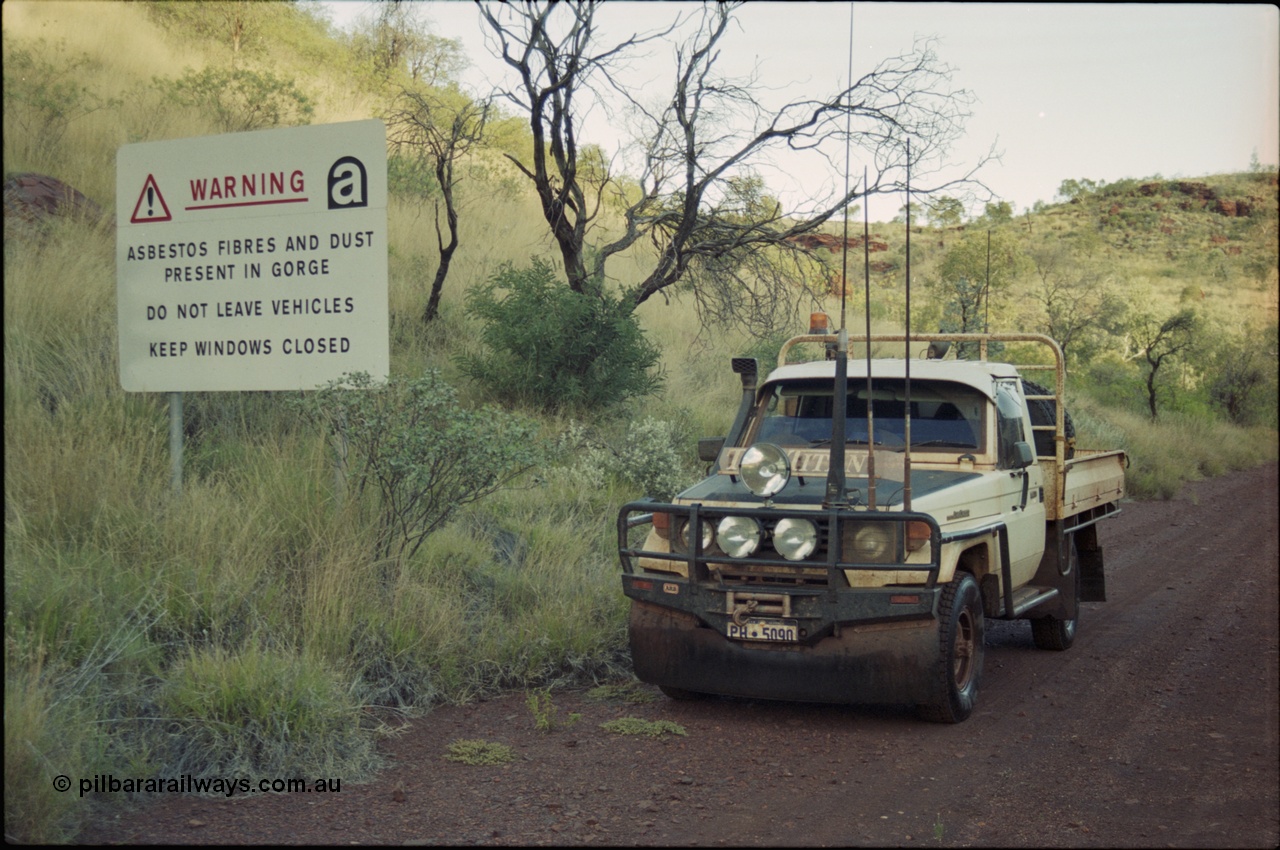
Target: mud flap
[(1093, 581), (1050, 574), (888, 663)]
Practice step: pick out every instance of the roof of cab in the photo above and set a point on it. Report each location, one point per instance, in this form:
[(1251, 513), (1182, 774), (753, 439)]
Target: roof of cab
[(975, 373)]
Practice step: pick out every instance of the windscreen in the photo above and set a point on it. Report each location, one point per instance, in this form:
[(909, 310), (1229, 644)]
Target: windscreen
[(945, 416)]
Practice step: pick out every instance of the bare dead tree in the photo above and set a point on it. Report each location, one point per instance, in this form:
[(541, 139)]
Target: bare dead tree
[(438, 127), (695, 202)]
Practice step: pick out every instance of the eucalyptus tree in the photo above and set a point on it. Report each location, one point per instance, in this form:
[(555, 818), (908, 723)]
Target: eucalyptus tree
[(694, 196), (396, 40), (973, 276), (1242, 374), (438, 128), (1081, 303), (1161, 341)]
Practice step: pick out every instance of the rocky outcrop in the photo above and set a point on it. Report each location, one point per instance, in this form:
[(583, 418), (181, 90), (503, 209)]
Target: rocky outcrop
[(1233, 209), (32, 200)]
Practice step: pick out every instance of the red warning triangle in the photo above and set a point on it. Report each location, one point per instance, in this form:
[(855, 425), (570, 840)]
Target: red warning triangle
[(151, 206)]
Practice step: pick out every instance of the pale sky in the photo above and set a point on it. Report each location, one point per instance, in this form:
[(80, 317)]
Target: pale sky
[(1065, 91)]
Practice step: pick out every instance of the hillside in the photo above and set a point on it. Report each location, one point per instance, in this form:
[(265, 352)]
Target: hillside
[(1211, 237), (258, 623), (1211, 240)]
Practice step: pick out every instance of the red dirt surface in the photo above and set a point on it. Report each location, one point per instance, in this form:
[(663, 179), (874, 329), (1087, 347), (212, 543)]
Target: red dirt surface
[(1158, 728)]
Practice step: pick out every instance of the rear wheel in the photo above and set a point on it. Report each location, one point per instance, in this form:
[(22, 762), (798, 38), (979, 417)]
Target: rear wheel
[(961, 638), (1054, 633)]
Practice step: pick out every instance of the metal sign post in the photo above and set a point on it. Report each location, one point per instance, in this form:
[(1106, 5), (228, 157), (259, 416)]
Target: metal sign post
[(175, 443)]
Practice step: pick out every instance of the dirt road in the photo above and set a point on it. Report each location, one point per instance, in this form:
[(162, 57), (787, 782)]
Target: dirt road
[(1159, 728)]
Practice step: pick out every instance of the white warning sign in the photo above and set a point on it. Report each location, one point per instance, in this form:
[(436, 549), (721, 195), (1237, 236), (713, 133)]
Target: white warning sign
[(253, 261)]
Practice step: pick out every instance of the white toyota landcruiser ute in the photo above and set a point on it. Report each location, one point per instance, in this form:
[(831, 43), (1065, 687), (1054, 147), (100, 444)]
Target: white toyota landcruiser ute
[(856, 531)]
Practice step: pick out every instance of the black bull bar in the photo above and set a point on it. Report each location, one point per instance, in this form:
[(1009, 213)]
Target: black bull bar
[(855, 645)]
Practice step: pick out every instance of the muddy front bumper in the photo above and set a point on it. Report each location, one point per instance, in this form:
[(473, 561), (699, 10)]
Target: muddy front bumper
[(887, 663), (875, 645)]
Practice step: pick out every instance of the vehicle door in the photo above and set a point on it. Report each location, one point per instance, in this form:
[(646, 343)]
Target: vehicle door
[(1021, 484)]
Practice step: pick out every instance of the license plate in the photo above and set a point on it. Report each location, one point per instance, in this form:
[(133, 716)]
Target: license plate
[(772, 630)]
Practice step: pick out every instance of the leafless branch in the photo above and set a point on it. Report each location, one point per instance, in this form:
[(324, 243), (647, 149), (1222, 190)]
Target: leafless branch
[(699, 201)]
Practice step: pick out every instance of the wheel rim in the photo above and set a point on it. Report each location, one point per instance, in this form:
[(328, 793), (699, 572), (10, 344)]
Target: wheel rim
[(962, 656)]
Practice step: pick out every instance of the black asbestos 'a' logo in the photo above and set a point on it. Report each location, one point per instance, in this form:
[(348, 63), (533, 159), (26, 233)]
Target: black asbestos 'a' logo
[(348, 184)]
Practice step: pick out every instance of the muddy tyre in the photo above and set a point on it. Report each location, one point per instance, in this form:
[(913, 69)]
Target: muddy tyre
[(1053, 633), (961, 639)]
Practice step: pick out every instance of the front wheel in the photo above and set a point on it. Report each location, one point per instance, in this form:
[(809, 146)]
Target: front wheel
[(961, 639)]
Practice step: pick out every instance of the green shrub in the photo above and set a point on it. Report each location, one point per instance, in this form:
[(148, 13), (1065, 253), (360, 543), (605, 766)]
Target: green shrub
[(647, 458), (476, 751), (42, 97), (637, 726), (1114, 382), (423, 453), (545, 711), (411, 177), (237, 99), (1241, 377), (629, 692), (553, 348)]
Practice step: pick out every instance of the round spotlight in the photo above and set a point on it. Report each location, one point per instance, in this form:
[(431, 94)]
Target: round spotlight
[(684, 539), (765, 469), (739, 537), (795, 539)]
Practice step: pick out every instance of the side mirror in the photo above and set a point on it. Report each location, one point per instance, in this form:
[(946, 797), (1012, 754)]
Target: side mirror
[(709, 449), (1023, 455)]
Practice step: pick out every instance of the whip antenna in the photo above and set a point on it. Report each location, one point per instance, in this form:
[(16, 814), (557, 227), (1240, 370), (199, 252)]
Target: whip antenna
[(848, 127), (837, 493), (906, 412), (986, 293), (866, 288)]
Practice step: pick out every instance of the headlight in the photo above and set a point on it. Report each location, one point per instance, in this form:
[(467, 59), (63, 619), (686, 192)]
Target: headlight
[(870, 542), (683, 537), (795, 539), (765, 469), (738, 536)]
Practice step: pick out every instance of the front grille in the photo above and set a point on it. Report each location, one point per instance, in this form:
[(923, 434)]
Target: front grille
[(869, 540), (769, 577)]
